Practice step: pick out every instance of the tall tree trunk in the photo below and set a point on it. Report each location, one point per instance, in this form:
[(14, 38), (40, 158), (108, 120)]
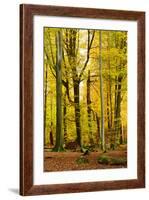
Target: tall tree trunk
[(77, 110), (122, 139), (64, 120), (76, 84), (98, 128), (59, 138), (117, 115), (108, 110), (118, 98), (51, 140), (115, 112), (109, 92), (101, 93), (118, 110), (71, 49), (89, 109), (108, 136), (45, 103), (72, 46)]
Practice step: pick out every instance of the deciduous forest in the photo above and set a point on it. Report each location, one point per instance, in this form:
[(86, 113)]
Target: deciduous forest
[(85, 99)]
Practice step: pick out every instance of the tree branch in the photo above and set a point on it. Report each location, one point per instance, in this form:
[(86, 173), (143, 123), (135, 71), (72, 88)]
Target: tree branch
[(66, 83), (90, 41)]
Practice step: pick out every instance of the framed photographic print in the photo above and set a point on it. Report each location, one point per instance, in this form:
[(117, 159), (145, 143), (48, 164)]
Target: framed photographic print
[(82, 99)]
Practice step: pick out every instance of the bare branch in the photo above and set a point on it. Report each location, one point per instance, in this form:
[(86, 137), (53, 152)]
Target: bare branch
[(90, 41)]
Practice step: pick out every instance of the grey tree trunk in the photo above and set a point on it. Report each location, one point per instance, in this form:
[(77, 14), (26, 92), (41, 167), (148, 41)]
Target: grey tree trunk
[(64, 120), (115, 113), (101, 93), (59, 137), (45, 103), (109, 93), (118, 98), (98, 129), (72, 46), (77, 110), (71, 49), (118, 111), (89, 109)]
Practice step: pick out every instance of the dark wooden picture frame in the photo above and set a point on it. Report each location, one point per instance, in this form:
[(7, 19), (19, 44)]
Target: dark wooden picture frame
[(27, 12)]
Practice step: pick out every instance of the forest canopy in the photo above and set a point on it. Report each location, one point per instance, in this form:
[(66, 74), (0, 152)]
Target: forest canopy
[(85, 88)]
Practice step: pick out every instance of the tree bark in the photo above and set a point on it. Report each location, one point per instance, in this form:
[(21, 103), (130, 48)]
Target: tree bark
[(101, 93), (89, 109), (98, 128), (45, 103), (72, 46), (118, 98), (59, 138), (51, 134), (71, 49), (77, 110), (118, 110), (109, 92), (64, 120)]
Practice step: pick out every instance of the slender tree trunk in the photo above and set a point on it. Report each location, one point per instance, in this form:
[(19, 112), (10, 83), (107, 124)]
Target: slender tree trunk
[(108, 111), (117, 118), (111, 115), (98, 128), (51, 140), (101, 93), (64, 121), (45, 103), (72, 46), (77, 110), (109, 92), (116, 99), (59, 138), (51, 134), (115, 112), (118, 110), (71, 49), (108, 136), (89, 109), (122, 138), (119, 44)]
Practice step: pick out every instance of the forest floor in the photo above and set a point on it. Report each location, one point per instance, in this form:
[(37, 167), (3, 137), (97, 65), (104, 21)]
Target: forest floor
[(65, 161)]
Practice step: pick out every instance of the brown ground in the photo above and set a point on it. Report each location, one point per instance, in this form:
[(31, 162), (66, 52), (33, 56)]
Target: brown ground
[(65, 161)]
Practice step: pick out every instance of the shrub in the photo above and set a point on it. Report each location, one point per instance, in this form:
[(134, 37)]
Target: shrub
[(82, 160), (112, 161), (103, 160), (118, 161)]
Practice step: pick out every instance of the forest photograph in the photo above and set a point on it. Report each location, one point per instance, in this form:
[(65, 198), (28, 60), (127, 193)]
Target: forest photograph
[(85, 99)]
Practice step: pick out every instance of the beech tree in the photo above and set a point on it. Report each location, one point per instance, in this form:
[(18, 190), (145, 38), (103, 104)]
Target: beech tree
[(59, 137), (101, 93), (85, 88)]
